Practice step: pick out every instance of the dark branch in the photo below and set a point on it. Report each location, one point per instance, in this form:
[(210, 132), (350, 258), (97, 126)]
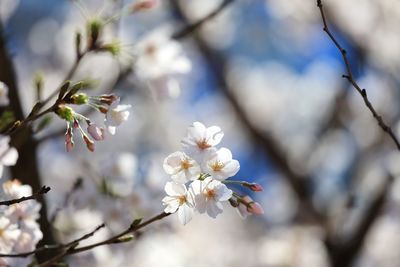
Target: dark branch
[(190, 28), (42, 191), (349, 77)]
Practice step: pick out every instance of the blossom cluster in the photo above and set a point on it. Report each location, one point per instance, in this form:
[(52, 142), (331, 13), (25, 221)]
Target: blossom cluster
[(18, 227), (199, 175), (108, 104)]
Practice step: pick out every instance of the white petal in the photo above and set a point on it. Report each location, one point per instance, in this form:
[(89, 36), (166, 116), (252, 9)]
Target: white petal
[(197, 131), (224, 193), (10, 157), (213, 209), (174, 189), (224, 154), (111, 129), (214, 135), (185, 214), (172, 204), (231, 168)]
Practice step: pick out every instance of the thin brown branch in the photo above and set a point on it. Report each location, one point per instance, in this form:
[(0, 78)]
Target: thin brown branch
[(349, 77), (115, 239), (64, 247), (10, 202)]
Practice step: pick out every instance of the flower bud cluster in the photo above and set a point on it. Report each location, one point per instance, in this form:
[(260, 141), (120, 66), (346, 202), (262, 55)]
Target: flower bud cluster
[(199, 174), (108, 104)]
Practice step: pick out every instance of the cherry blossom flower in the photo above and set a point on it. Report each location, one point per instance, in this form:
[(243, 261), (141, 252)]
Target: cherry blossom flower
[(4, 101), (208, 195), (25, 213), (8, 155), (200, 140), (160, 59), (181, 167), (116, 115), (248, 206), (220, 165), (9, 234), (178, 199)]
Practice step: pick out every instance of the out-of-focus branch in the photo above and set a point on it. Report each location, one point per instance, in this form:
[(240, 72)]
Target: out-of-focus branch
[(343, 251), (190, 28), (26, 168), (349, 77), (297, 181), (77, 184), (10, 202)]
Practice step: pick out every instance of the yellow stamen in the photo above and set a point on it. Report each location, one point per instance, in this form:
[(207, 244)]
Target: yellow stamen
[(185, 164), (217, 166), (182, 200)]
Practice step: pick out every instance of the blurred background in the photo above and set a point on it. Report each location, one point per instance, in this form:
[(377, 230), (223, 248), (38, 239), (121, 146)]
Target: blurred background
[(267, 74)]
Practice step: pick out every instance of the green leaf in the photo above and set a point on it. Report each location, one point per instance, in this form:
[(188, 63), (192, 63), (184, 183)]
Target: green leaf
[(63, 90)]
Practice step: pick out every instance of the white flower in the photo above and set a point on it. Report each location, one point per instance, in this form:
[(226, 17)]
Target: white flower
[(4, 101), (24, 213), (160, 59), (14, 189), (181, 167), (116, 115), (208, 195), (159, 55), (9, 234), (200, 140), (8, 155), (220, 165), (180, 200), (119, 172)]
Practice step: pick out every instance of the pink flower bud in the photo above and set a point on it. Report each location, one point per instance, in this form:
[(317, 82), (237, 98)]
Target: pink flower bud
[(142, 5), (69, 146), (69, 143), (76, 124), (96, 132), (89, 143), (252, 206), (253, 187), (255, 208)]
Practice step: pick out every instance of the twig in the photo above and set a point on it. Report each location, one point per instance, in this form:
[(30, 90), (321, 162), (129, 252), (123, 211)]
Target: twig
[(42, 191), (133, 228), (349, 77), (52, 247), (190, 28)]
